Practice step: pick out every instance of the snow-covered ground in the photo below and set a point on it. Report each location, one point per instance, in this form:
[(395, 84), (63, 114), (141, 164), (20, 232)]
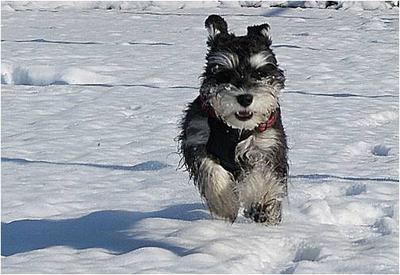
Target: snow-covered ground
[(174, 5), (90, 101)]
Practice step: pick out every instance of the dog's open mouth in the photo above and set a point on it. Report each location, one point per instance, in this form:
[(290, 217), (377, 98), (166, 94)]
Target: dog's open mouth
[(243, 115)]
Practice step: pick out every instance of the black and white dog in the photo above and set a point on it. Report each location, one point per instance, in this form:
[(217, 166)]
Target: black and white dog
[(232, 139)]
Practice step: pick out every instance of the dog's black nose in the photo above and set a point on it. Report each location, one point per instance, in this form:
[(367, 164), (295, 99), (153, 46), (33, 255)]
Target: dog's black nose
[(245, 100)]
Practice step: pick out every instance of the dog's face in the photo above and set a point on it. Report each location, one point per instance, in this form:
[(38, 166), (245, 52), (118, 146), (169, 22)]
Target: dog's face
[(242, 80)]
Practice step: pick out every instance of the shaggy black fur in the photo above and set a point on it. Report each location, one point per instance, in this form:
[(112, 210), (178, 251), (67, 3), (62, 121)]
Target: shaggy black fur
[(244, 46), (192, 153), (225, 151)]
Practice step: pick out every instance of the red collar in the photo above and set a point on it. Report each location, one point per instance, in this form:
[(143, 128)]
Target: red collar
[(268, 124), (206, 107)]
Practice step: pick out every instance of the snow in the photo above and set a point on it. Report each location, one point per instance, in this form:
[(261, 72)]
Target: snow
[(91, 99), (179, 5), (48, 75)]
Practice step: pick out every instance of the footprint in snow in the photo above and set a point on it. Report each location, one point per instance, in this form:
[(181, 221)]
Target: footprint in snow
[(356, 189), (380, 150), (307, 252), (304, 252), (362, 148), (385, 225)]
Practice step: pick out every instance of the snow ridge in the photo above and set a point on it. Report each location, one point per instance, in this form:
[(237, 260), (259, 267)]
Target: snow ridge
[(49, 75)]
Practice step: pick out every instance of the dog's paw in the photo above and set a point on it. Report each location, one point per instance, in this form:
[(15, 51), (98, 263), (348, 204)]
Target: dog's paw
[(269, 213)]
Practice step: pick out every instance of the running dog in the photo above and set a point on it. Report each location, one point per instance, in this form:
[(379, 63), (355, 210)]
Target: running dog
[(232, 138)]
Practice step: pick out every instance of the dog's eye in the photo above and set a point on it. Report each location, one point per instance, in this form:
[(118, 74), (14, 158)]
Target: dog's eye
[(223, 77), (214, 69), (264, 71)]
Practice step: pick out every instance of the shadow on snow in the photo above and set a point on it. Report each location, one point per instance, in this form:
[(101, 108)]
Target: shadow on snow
[(144, 166), (101, 229), (344, 95), (325, 176), (41, 40)]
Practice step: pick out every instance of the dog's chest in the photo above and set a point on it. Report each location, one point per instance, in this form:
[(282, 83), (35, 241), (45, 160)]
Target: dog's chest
[(222, 143)]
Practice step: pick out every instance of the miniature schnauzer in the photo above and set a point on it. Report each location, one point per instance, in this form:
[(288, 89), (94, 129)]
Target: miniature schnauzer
[(232, 139)]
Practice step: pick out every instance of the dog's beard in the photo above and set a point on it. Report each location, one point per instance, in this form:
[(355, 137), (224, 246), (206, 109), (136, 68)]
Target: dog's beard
[(223, 99)]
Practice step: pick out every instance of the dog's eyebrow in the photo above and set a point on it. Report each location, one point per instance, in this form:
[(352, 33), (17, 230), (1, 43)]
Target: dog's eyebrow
[(225, 59), (260, 59)]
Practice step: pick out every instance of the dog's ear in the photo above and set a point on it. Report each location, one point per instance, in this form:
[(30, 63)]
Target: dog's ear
[(216, 25), (261, 31)]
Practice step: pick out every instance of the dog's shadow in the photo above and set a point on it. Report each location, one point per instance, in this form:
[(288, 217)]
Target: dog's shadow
[(101, 229)]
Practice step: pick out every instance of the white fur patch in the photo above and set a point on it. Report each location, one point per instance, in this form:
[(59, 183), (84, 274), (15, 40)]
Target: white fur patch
[(212, 31), (267, 140), (216, 175), (260, 186), (258, 147), (260, 59), (225, 104), (225, 59), (265, 32), (217, 186)]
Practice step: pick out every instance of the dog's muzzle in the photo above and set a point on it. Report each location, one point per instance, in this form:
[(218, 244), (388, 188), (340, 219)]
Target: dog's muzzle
[(245, 99), (243, 115)]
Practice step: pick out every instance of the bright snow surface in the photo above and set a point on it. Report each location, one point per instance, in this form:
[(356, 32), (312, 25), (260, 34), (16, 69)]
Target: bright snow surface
[(90, 102)]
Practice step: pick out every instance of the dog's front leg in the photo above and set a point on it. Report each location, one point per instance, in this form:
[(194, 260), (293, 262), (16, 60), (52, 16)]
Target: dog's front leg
[(261, 193), (213, 181), (216, 185)]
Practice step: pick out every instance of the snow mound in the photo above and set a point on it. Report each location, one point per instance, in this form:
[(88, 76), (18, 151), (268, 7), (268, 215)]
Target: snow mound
[(362, 148), (48, 75), (319, 210), (368, 5), (378, 118)]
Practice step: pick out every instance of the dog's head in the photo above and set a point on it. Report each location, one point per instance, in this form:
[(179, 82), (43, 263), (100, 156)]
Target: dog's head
[(242, 80)]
